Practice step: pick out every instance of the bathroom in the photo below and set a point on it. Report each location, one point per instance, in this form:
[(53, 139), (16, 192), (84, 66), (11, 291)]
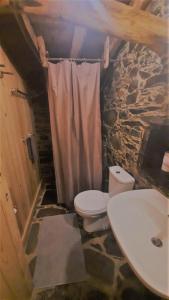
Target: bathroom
[(54, 57)]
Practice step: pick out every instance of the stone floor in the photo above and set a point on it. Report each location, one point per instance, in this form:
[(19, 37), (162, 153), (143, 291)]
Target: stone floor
[(109, 275)]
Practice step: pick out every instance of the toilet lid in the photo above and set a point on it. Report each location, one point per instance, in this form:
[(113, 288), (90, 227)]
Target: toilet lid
[(91, 201)]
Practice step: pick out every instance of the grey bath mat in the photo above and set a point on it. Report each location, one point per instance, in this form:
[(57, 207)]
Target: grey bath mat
[(60, 257)]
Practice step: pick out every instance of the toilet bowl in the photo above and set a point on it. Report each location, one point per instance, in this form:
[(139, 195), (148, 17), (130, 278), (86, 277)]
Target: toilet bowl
[(91, 205)]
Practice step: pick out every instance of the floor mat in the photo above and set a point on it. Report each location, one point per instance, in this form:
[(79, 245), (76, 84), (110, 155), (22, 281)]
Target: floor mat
[(60, 257)]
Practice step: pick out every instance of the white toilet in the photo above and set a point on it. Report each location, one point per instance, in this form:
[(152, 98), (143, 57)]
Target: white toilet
[(92, 205)]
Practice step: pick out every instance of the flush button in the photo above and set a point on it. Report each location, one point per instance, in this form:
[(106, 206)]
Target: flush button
[(117, 172)]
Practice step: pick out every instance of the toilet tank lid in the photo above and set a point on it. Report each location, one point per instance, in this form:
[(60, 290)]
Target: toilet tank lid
[(121, 175)]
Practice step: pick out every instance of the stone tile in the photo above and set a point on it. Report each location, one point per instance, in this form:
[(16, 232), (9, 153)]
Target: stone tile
[(112, 247), (97, 246), (96, 295), (52, 294), (126, 271), (85, 236), (51, 211), (131, 294), (151, 296), (77, 291), (99, 266), (89, 236), (33, 238)]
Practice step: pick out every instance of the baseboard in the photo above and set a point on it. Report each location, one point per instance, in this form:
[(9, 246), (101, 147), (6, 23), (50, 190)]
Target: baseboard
[(29, 219)]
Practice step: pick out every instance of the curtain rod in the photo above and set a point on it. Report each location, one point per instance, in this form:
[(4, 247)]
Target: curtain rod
[(79, 59)]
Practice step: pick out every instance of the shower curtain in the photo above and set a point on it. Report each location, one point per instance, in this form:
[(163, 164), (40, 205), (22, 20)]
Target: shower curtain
[(74, 104)]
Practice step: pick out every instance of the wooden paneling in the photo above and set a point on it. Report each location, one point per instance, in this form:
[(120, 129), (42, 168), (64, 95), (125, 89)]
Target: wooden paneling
[(15, 280), (42, 51), (29, 29), (18, 45), (16, 123)]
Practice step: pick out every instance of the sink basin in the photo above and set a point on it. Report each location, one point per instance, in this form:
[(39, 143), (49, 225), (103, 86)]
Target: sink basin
[(139, 220)]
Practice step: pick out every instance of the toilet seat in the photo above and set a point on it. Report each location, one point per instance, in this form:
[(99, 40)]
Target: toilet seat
[(91, 202)]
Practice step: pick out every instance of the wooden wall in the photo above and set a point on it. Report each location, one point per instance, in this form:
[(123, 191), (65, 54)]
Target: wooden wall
[(15, 279), (16, 123)]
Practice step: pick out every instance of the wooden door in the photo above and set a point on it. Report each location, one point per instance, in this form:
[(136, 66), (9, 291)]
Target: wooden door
[(15, 280), (16, 123)]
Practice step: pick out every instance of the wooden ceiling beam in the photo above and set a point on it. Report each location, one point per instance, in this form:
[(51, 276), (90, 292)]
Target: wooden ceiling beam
[(115, 42), (114, 45), (77, 41), (140, 4), (29, 29), (113, 18), (42, 51), (45, 20)]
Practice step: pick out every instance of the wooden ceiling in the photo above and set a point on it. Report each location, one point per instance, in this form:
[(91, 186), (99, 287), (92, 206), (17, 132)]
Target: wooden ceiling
[(78, 28), (74, 28), (62, 38), (65, 38)]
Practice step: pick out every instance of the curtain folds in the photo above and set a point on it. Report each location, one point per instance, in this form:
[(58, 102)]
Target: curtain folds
[(74, 104)]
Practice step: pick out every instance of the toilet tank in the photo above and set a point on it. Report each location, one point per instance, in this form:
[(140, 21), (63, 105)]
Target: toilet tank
[(119, 181)]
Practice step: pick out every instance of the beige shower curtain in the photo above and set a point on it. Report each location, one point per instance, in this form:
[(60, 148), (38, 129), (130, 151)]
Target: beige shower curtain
[(74, 104)]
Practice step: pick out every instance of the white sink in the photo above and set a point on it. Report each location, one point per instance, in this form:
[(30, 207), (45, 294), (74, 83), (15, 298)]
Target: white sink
[(136, 217)]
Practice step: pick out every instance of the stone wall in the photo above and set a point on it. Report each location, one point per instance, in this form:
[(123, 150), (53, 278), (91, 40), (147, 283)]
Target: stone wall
[(134, 97), (42, 124)]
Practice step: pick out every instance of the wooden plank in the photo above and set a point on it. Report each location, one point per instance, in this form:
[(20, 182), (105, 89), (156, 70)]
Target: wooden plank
[(112, 17), (15, 124), (114, 46), (4, 3), (29, 29), (106, 53), (5, 290), (29, 219), (116, 43), (26, 22), (132, 24), (140, 4), (42, 51), (13, 265), (77, 41)]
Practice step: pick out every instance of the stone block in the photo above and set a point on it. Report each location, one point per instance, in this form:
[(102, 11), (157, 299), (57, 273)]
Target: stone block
[(132, 98), (115, 140), (157, 80), (110, 117)]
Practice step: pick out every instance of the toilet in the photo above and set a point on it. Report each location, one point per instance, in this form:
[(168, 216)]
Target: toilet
[(91, 205)]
